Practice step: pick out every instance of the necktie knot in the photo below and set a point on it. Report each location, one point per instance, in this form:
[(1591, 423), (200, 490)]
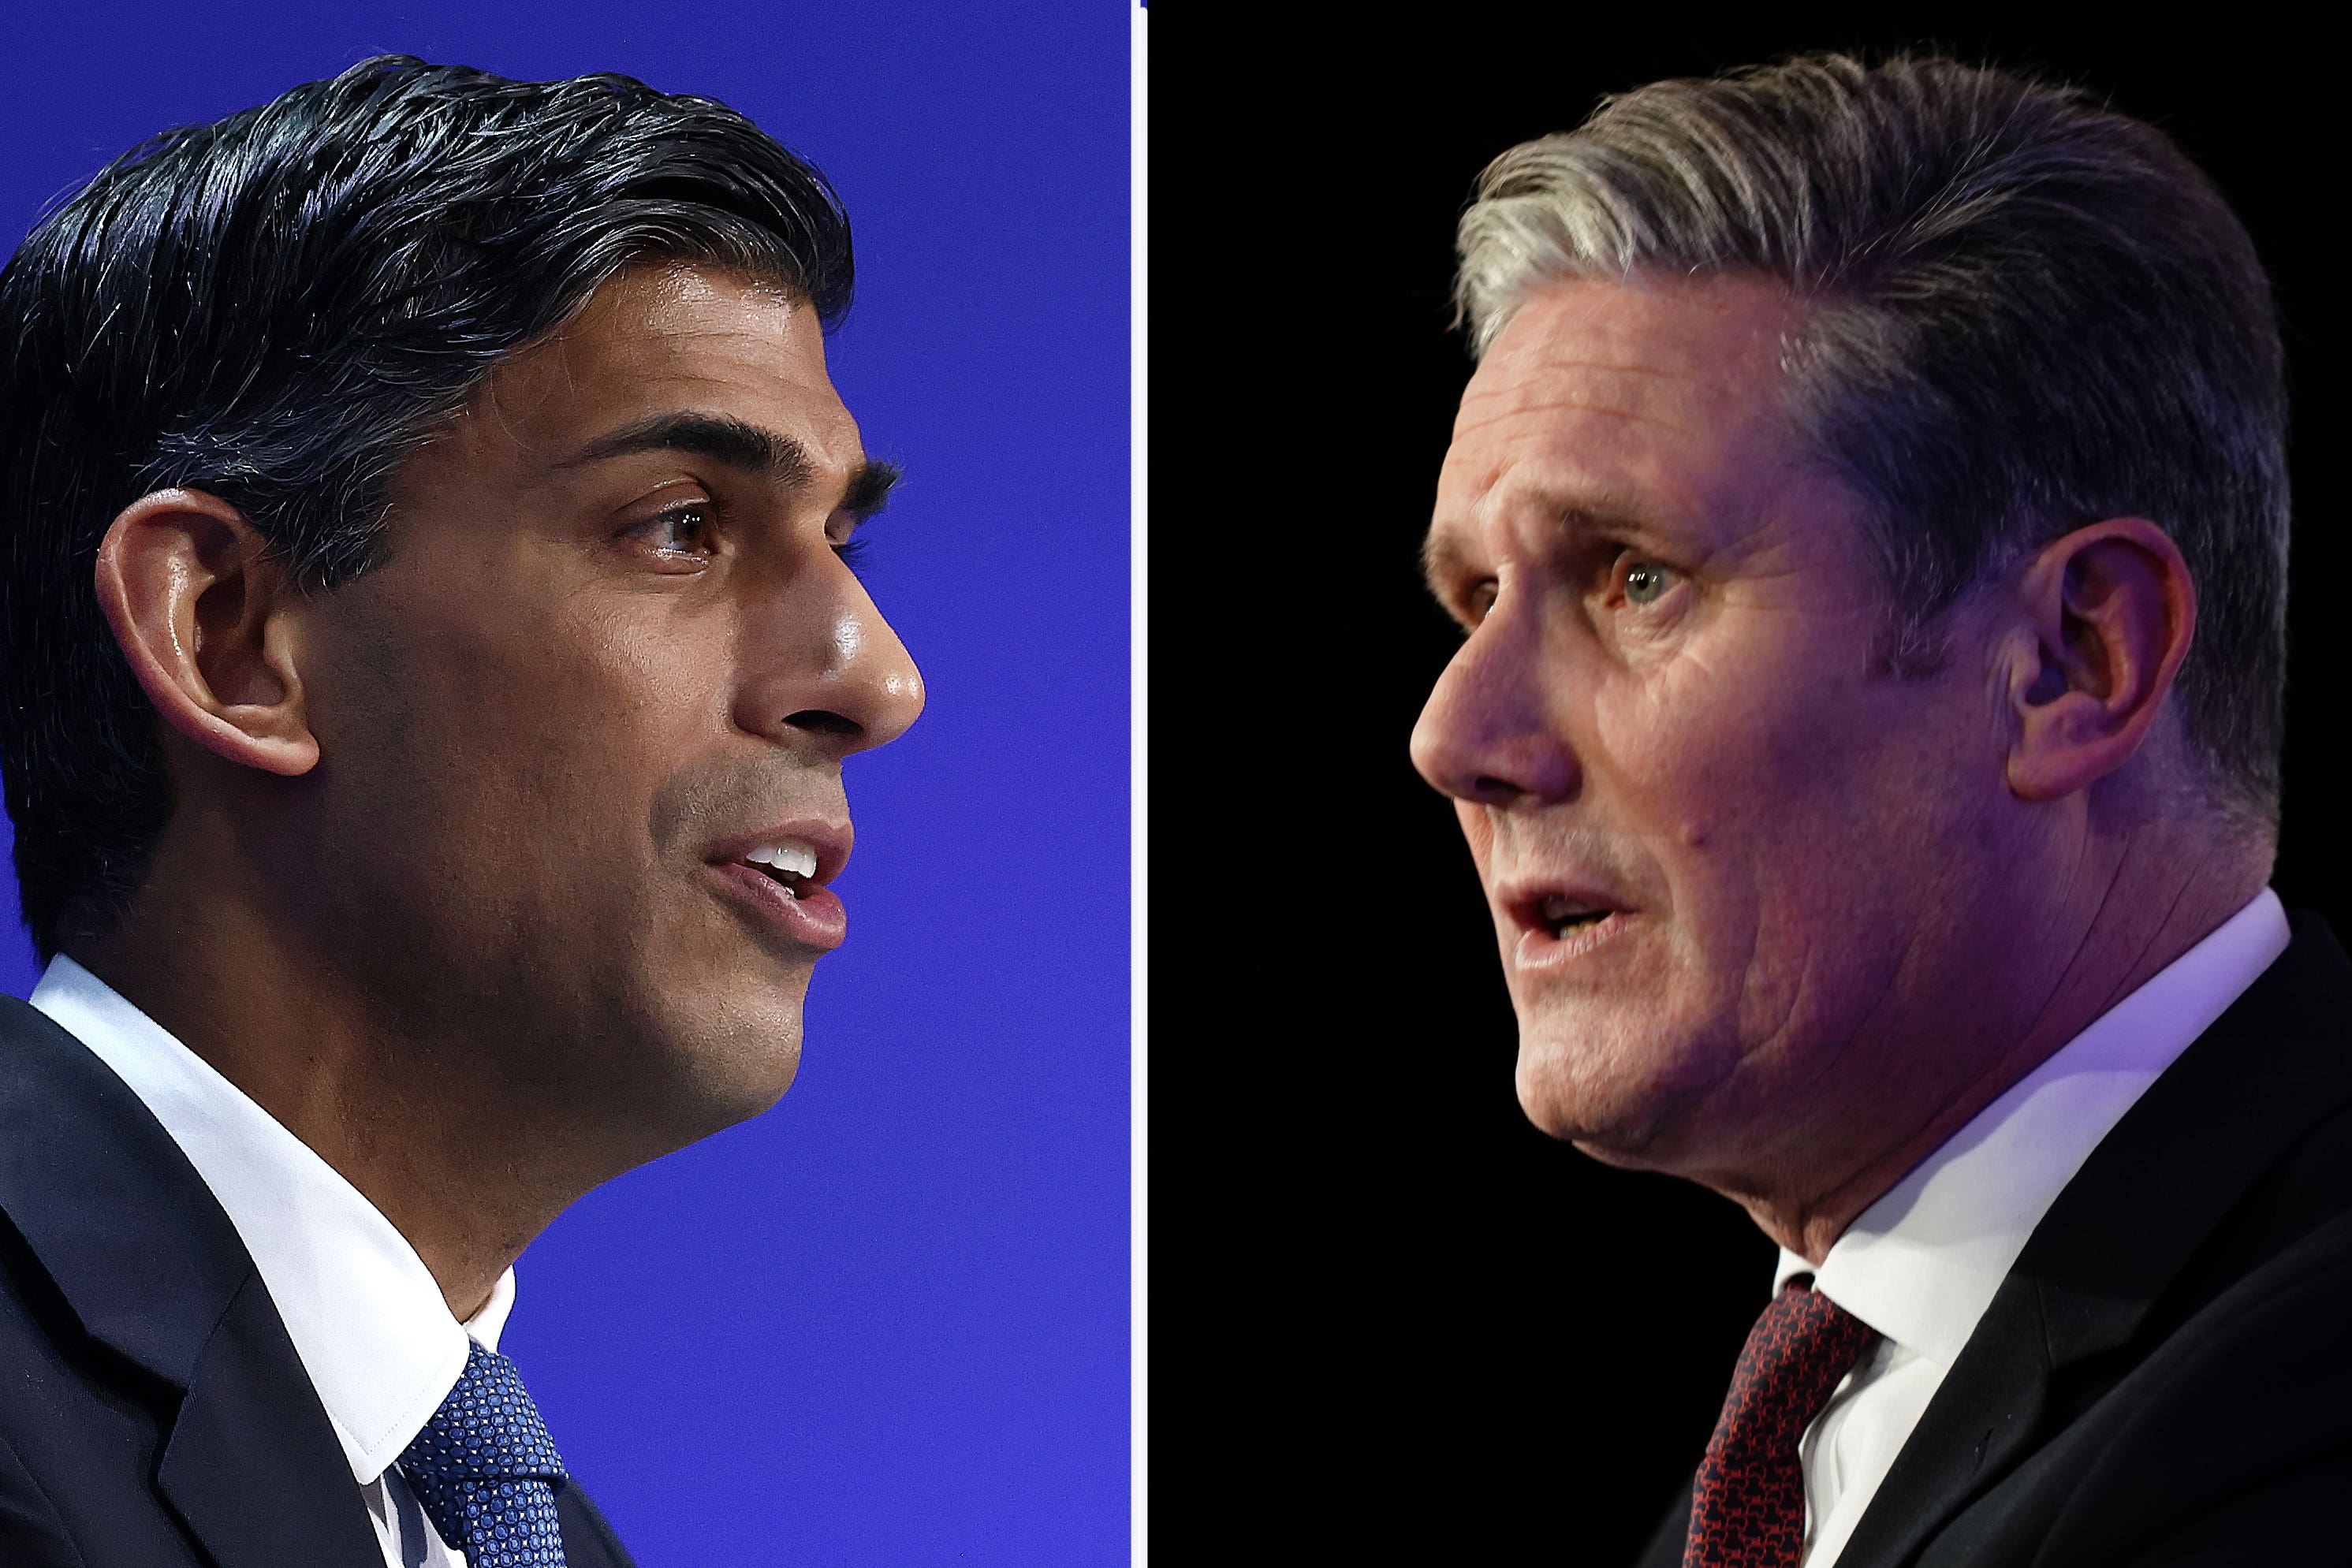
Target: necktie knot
[(486, 1471), (1748, 1505)]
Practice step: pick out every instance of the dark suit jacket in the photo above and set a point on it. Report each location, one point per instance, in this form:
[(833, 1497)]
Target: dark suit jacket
[(2166, 1375), (152, 1411)]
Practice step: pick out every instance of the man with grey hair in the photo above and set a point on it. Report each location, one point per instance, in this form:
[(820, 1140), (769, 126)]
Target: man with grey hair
[(1868, 523)]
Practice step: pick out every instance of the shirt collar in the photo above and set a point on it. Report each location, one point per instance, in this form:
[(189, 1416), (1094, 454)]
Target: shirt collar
[(1922, 1263), (363, 1311)]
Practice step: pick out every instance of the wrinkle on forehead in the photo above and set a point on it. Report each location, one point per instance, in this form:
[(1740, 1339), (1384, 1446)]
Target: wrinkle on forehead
[(1464, 425), (1603, 389), (1721, 338)]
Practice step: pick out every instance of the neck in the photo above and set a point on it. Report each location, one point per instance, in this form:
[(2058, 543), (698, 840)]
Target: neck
[(402, 1119), (2162, 895)]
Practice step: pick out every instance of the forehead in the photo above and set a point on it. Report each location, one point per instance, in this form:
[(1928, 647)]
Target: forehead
[(1654, 396), (662, 337)]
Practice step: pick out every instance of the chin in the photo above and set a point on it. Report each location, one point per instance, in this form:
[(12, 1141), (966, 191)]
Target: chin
[(1621, 1101), (713, 1066), (746, 1074), (709, 1093)]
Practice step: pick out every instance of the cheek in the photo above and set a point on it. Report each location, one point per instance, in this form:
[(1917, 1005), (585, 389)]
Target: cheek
[(602, 687), (1678, 758), (533, 744), (599, 719), (1750, 741), (1752, 793)]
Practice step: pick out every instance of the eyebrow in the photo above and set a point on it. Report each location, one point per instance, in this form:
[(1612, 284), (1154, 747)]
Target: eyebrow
[(1442, 564), (737, 443)]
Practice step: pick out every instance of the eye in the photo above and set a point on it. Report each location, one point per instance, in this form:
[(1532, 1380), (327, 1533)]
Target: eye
[(851, 552), (1468, 606), (690, 529), (1644, 582)]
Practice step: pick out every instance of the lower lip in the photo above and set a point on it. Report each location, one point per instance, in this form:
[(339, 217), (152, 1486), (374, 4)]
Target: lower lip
[(813, 919), (1540, 949)]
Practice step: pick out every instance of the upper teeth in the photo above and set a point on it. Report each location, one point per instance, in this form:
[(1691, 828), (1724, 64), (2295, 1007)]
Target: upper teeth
[(798, 859), (1560, 906)]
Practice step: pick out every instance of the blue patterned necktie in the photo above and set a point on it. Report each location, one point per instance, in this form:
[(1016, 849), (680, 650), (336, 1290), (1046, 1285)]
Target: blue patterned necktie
[(485, 1470)]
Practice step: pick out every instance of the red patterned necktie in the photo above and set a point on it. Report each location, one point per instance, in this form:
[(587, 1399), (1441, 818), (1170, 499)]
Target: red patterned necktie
[(1748, 1506)]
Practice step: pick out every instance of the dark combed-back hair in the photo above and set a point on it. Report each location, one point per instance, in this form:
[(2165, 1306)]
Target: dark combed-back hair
[(277, 308), (2024, 311)]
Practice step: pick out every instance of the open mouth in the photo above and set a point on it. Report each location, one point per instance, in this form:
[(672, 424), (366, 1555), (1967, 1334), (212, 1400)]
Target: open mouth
[(791, 867), (1557, 916), (781, 881), (1561, 917)]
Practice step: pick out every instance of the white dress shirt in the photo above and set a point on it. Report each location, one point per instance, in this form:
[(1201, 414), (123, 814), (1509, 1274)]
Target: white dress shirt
[(363, 1311), (1921, 1264)]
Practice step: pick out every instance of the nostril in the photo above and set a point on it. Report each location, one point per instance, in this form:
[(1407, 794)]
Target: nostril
[(825, 722)]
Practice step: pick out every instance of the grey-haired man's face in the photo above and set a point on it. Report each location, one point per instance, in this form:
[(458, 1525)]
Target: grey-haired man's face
[(1730, 862)]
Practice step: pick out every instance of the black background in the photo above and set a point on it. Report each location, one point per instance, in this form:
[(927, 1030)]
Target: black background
[(1388, 1318)]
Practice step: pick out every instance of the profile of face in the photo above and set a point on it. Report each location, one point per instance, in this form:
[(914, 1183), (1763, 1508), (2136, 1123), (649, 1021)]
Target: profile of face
[(580, 736), (1733, 862)]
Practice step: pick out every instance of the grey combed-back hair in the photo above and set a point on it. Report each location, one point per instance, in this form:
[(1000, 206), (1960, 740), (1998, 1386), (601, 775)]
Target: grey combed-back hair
[(2024, 312)]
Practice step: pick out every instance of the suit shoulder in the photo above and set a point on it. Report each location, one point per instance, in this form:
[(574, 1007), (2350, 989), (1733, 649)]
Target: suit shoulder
[(82, 1429), (2251, 1394)]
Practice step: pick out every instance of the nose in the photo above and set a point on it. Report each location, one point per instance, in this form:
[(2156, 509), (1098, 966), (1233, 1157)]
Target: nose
[(1487, 734), (829, 670)]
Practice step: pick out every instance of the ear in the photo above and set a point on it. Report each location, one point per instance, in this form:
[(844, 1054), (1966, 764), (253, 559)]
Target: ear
[(202, 609), (2112, 608)]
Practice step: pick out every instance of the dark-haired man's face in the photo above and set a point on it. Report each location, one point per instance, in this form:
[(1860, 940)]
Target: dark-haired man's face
[(581, 733)]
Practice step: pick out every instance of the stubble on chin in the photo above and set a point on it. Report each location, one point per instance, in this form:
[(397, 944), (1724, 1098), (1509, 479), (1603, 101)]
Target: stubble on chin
[(1621, 1089)]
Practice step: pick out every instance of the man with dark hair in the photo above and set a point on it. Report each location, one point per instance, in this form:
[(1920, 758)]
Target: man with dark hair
[(1853, 453), (430, 645)]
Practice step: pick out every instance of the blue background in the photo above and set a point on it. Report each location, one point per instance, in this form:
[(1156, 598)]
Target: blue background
[(888, 1322)]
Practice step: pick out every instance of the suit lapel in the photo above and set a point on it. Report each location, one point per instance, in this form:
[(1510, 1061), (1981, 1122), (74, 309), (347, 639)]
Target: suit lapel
[(118, 1216), (153, 1267), (2269, 1069), (236, 1468), (1983, 1417)]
